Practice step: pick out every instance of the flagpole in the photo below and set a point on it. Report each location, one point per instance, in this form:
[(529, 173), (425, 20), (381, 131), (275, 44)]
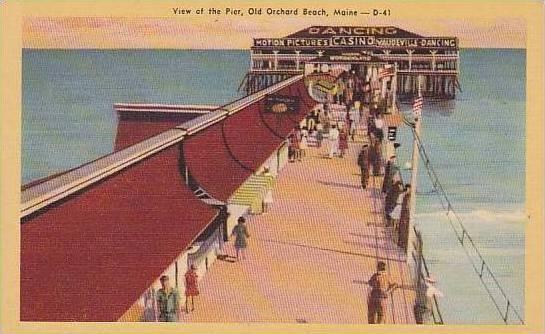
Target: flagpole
[(414, 174), (414, 244)]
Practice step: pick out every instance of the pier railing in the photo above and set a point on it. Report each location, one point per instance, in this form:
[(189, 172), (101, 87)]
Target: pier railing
[(426, 308)]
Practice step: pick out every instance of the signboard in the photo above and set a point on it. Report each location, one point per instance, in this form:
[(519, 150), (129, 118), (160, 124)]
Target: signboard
[(320, 86), (392, 132), (347, 57), (358, 41), (347, 30), (281, 104)]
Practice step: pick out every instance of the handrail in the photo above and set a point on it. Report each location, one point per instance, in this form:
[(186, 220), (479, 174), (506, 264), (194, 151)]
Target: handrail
[(435, 305), (435, 311)]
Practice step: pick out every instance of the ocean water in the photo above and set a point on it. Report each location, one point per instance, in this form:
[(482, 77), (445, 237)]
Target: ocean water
[(476, 144), (68, 96), (477, 147)]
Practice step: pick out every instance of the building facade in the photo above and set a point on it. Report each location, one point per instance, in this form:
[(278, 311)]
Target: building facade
[(436, 59)]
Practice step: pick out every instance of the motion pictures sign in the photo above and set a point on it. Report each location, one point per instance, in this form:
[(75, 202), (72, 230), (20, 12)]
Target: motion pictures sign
[(358, 41)]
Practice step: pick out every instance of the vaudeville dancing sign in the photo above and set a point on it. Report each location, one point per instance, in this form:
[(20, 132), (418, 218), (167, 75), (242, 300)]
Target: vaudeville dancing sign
[(358, 41), (280, 104)]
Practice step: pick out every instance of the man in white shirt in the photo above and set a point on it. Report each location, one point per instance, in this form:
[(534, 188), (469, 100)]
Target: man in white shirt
[(333, 138)]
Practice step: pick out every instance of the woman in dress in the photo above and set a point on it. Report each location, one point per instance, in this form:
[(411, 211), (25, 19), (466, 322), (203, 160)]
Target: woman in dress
[(241, 235), (191, 287), (343, 142), (390, 202), (395, 215), (403, 232)]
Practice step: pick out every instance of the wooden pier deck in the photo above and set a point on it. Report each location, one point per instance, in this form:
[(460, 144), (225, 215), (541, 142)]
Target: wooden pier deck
[(310, 257)]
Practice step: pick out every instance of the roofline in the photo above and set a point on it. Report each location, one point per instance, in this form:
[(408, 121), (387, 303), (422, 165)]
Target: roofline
[(45, 193), (162, 111), (164, 108)]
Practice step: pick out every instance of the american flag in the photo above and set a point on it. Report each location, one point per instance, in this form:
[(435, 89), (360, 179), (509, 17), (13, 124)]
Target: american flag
[(417, 105), (385, 72)]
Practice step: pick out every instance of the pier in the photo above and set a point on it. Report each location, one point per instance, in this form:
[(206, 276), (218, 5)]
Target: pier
[(293, 273), (170, 194)]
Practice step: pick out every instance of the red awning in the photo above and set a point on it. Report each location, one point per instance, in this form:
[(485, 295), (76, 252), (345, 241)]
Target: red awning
[(91, 256), (210, 163), (223, 156), (136, 126)]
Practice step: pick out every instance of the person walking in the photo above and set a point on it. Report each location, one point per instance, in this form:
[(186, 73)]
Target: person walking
[(298, 133), (293, 146), (379, 126), (268, 198), (353, 120), (241, 237), (381, 286), (319, 135), (363, 162), (333, 138), (168, 301), (403, 233), (367, 93), (303, 146), (341, 88), (395, 215), (343, 142), (390, 171), (312, 120), (191, 287), (350, 89), (377, 161), (390, 201)]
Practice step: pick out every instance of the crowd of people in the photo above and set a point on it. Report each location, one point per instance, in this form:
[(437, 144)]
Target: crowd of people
[(351, 104), (397, 196), (396, 211)]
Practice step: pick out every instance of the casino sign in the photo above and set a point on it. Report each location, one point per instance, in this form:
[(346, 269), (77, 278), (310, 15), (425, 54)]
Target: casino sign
[(358, 41)]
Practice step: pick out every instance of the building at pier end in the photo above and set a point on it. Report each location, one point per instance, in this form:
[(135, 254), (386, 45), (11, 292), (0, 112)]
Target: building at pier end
[(435, 58)]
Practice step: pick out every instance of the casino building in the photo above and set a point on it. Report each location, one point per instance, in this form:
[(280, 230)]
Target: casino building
[(436, 59)]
